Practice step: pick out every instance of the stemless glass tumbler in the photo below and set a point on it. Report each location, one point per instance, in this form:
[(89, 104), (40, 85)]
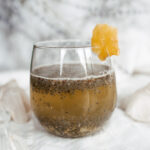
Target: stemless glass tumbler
[(72, 92)]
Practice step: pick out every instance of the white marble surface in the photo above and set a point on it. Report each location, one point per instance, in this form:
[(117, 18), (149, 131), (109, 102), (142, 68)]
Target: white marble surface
[(121, 132), (23, 22)]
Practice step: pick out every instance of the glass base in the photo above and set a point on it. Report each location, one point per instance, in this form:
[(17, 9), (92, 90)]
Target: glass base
[(74, 129)]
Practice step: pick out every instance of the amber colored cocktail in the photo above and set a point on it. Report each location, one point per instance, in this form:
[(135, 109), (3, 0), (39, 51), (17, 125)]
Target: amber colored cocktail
[(73, 105)]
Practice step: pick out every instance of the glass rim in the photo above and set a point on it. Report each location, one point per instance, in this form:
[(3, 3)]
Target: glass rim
[(65, 43)]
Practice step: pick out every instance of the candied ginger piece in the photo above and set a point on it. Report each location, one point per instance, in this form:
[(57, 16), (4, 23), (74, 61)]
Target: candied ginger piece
[(104, 41)]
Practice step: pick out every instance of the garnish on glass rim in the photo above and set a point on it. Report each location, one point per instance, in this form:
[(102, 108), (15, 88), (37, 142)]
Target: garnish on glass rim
[(104, 41)]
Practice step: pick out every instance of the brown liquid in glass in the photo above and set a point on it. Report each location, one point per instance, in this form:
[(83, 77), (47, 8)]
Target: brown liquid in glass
[(73, 105)]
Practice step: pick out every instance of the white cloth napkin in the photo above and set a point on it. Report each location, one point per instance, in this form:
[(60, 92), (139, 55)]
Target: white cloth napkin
[(14, 107), (14, 100), (120, 133), (134, 50), (137, 106)]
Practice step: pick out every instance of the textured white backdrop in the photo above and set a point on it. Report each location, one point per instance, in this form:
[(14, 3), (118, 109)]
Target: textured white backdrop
[(121, 133), (24, 21)]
